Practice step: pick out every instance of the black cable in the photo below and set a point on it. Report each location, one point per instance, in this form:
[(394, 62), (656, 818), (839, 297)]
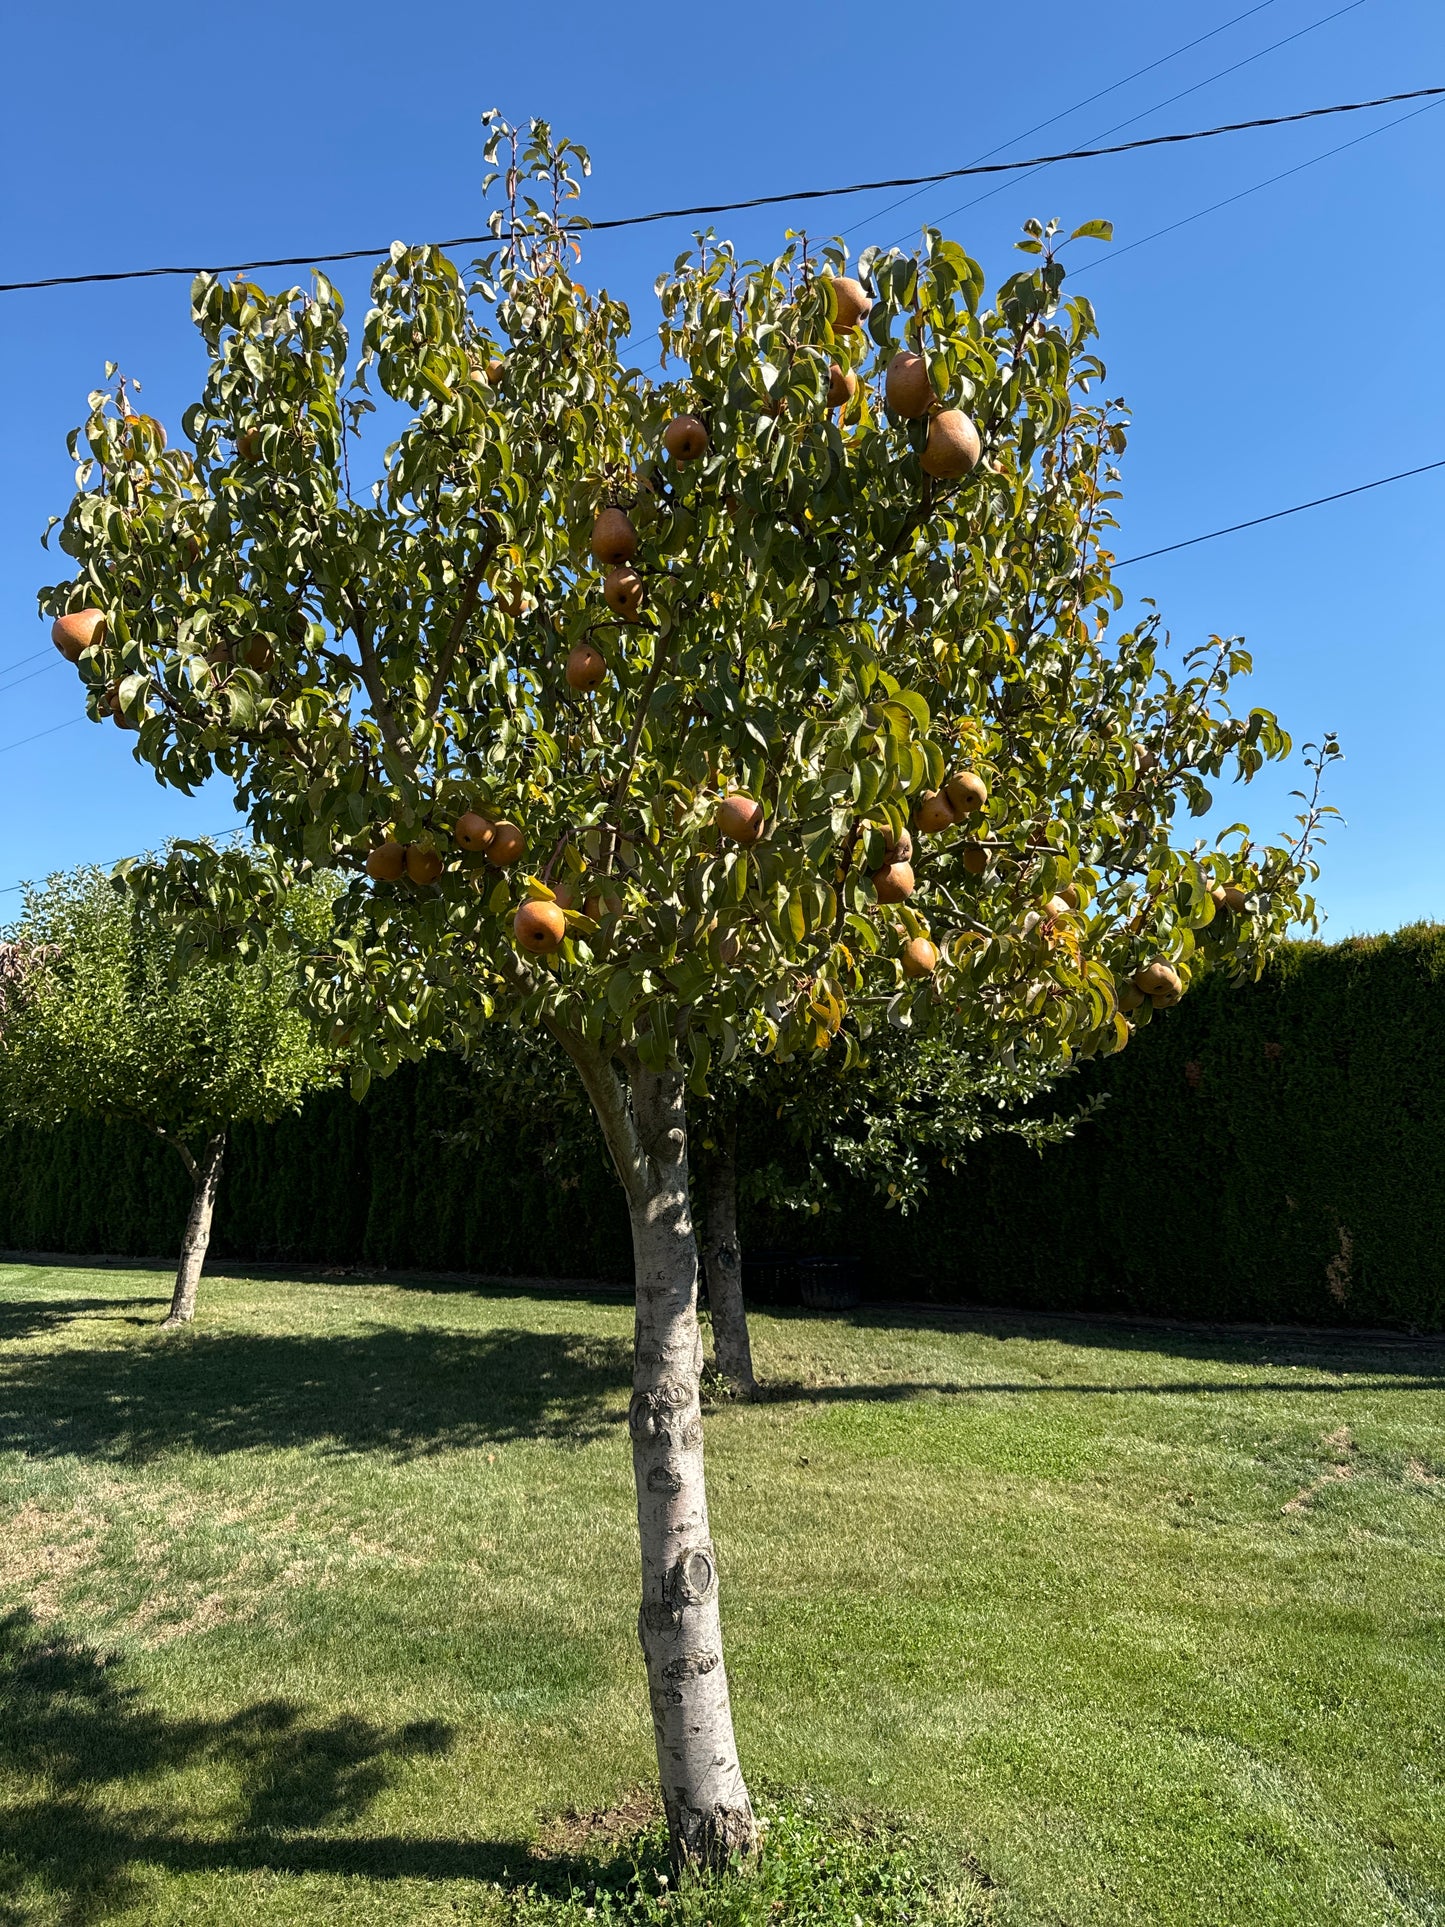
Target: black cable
[(5, 748), (1108, 260), (760, 200), (30, 675), (1184, 92), (1079, 105), (1298, 509)]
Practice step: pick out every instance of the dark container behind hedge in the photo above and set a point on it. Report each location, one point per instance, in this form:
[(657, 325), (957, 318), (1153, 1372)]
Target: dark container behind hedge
[(1271, 1153)]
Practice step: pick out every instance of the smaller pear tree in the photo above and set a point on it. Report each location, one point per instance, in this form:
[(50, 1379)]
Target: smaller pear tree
[(806, 1133), (98, 1018)]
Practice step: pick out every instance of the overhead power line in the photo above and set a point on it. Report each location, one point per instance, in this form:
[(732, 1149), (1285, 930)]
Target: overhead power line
[(759, 200), (1133, 119), (1256, 521), (1088, 101)]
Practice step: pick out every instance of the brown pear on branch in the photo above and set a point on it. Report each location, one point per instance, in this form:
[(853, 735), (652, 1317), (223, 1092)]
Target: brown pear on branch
[(934, 813), (423, 864), (73, 634), (893, 883), (473, 830), (920, 958), (906, 387), (540, 927), (967, 792), (842, 386), (952, 447), (685, 438), (386, 862), (975, 858), (740, 818), (851, 302), (901, 851), (586, 667), (614, 540), (1158, 979), (506, 846), (622, 592)]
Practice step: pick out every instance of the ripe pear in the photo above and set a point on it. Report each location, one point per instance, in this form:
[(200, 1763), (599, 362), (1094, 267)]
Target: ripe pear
[(842, 386), (975, 858), (906, 387), (740, 818), (586, 667), (851, 302), (386, 862), (1229, 896), (934, 813), (423, 864), (952, 448), (73, 634), (1057, 907), (1158, 979), (920, 958), (473, 830), (506, 846), (248, 444), (622, 592), (901, 851), (685, 438), (966, 792), (255, 652), (540, 927), (1128, 997), (614, 540), (893, 883)]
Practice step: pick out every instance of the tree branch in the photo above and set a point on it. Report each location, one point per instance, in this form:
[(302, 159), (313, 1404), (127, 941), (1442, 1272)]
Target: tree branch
[(180, 1149), (375, 689), (447, 655)]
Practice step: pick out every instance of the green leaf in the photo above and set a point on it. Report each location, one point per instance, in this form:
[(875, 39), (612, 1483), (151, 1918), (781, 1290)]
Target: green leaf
[(1094, 231)]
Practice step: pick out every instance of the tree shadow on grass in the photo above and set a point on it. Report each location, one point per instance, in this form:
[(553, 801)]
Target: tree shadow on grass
[(22, 1318), (402, 1392), (84, 1759)]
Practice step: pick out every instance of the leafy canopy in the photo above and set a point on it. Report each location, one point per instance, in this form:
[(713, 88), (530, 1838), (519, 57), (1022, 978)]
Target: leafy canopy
[(101, 1024), (822, 627)]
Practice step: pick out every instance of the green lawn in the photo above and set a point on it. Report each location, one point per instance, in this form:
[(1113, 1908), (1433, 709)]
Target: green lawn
[(322, 1611)]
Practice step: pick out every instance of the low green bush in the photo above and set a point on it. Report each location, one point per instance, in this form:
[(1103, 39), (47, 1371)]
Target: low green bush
[(816, 1869)]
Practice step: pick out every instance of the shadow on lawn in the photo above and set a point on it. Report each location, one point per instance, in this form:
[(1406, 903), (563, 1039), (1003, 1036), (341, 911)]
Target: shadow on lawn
[(407, 1392), (86, 1759), (31, 1317)]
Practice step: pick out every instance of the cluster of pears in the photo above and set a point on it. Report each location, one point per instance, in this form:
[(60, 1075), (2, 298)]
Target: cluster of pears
[(741, 820), (952, 448), (500, 842), (614, 548)]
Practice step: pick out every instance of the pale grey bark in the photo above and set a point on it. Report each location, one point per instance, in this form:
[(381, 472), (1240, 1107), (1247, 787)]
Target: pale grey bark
[(206, 1178), (709, 1814), (722, 1259)]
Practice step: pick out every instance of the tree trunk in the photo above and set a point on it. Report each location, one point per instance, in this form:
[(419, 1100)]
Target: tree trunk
[(206, 1177), (722, 1260), (709, 1815)]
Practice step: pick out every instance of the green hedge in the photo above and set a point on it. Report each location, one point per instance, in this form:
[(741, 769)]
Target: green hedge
[(1271, 1153)]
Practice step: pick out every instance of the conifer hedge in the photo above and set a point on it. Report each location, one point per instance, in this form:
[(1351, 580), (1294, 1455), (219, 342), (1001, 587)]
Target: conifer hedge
[(1274, 1153)]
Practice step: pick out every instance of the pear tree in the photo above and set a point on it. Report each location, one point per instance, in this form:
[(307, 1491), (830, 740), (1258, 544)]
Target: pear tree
[(748, 706), (100, 1018)]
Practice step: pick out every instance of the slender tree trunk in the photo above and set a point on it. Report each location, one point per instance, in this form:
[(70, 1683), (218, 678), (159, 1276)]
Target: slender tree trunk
[(722, 1259), (709, 1814), (206, 1177)]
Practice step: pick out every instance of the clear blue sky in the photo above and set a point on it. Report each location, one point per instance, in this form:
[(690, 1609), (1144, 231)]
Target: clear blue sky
[(1275, 350)]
